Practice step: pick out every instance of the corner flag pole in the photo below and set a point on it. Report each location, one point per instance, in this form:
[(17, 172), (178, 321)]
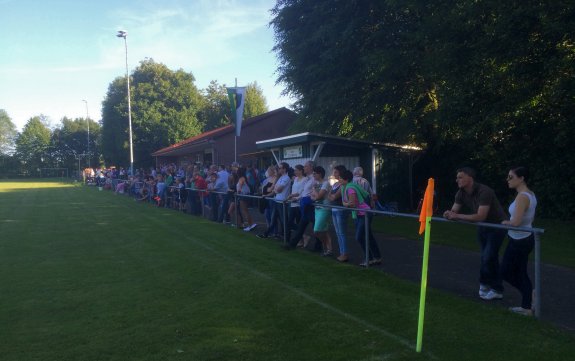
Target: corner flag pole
[(425, 225)]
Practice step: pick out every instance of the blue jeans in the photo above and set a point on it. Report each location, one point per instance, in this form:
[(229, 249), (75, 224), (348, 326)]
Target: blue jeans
[(277, 216), (339, 218), (490, 240), (360, 236), (223, 207), (514, 267), (268, 212)]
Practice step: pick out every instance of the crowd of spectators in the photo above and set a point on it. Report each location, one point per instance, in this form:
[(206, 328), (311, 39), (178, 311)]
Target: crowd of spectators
[(290, 199)]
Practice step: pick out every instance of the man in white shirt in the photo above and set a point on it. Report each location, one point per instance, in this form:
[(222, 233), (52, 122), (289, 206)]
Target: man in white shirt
[(281, 192), (222, 183), (306, 206)]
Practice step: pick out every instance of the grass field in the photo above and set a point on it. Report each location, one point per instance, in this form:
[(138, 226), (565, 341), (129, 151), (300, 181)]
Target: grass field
[(87, 275)]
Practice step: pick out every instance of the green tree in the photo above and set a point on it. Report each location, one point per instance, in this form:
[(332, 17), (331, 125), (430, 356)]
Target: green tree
[(486, 83), (33, 145), (165, 107), (8, 134), (114, 138), (256, 103), (69, 143), (216, 107)]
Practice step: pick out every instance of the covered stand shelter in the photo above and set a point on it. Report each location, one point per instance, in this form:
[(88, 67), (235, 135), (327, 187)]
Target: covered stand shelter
[(387, 166)]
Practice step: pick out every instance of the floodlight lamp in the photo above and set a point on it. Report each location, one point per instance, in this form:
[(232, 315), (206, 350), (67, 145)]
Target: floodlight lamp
[(122, 34)]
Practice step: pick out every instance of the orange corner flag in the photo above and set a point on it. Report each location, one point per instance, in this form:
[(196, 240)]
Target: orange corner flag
[(427, 207)]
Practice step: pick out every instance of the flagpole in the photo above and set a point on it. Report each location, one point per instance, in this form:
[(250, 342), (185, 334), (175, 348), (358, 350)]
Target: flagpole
[(423, 285), (425, 219)]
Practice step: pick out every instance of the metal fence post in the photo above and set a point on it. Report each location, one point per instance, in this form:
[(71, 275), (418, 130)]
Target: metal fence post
[(237, 206), (201, 196), (284, 219), (366, 225), (537, 275)]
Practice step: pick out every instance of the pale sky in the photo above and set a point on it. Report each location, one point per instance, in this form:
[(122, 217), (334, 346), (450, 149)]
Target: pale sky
[(55, 53)]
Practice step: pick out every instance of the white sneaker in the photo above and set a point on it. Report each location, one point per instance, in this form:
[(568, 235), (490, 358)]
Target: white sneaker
[(492, 295), (521, 311), (483, 290)]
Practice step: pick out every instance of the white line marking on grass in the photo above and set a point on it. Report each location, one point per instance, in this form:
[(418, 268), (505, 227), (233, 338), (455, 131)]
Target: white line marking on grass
[(403, 341)]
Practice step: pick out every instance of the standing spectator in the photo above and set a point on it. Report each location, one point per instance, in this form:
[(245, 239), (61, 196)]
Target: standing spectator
[(514, 263), (354, 196), (485, 207), (252, 178), (213, 196), (321, 189), (243, 189), (280, 192), (267, 191), (294, 215), (196, 197), (306, 207), (364, 183), (339, 216), (222, 186), (232, 183), (161, 190)]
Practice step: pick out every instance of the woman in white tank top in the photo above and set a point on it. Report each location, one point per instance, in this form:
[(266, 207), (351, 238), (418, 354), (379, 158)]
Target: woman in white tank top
[(514, 263)]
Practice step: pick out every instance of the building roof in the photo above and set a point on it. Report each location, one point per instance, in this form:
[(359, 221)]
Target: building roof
[(315, 137), (200, 139)]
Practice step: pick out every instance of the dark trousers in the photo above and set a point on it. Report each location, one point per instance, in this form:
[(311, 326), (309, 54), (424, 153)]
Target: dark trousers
[(360, 236), (514, 267), (277, 217), (490, 240), (194, 202), (294, 217), (223, 208), (306, 218), (214, 203)]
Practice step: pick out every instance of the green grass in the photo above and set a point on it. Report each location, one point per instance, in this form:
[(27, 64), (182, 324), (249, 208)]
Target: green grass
[(557, 246), (87, 275)]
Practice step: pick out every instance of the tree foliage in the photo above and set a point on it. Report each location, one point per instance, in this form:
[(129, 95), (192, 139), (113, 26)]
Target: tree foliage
[(216, 109), (165, 106), (486, 83), (69, 143), (8, 134), (33, 144), (255, 101)]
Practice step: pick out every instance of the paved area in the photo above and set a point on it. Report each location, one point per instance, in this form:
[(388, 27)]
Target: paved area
[(456, 271)]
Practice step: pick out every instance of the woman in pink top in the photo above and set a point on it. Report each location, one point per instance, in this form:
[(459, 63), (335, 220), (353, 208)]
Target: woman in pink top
[(353, 196)]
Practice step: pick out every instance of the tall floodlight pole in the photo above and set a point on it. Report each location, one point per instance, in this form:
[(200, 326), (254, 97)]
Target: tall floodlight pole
[(123, 34), (88, 122)]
